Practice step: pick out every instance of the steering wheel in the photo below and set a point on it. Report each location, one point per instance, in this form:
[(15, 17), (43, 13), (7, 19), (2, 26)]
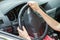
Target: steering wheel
[(32, 22)]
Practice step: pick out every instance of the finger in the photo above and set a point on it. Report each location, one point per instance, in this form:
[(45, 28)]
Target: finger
[(19, 30), (31, 5), (31, 2), (24, 28)]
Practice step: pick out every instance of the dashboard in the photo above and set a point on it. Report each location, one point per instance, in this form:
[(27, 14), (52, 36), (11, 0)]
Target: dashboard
[(13, 14)]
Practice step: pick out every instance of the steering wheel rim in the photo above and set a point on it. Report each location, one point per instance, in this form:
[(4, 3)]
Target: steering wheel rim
[(20, 21)]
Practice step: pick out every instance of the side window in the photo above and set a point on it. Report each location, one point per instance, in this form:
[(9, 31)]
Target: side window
[(57, 15)]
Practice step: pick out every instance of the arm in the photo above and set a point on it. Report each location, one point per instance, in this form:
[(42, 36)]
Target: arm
[(50, 21)]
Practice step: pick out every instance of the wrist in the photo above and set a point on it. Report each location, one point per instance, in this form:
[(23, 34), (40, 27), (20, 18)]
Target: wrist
[(28, 38)]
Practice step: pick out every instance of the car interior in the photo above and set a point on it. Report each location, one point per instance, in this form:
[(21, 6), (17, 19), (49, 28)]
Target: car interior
[(17, 13)]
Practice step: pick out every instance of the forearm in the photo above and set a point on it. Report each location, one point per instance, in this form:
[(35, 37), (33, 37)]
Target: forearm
[(50, 21)]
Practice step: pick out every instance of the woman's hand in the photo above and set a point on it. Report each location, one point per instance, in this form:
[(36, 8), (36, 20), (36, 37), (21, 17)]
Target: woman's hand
[(34, 5), (23, 33)]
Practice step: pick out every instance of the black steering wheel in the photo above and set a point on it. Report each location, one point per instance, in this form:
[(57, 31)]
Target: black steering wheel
[(35, 27)]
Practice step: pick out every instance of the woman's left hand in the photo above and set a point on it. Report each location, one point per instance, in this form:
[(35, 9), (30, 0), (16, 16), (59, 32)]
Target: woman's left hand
[(23, 33)]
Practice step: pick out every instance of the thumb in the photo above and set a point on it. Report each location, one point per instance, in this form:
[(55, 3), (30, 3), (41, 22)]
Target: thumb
[(24, 29)]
